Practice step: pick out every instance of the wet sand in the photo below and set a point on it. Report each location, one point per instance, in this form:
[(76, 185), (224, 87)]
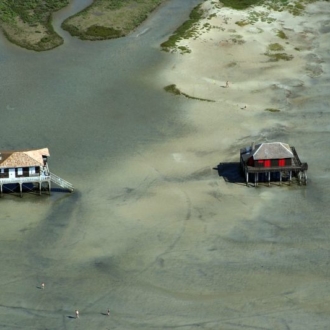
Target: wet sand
[(152, 232)]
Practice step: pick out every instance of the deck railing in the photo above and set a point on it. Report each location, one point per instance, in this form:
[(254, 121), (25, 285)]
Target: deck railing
[(38, 179), (61, 182), (41, 178)]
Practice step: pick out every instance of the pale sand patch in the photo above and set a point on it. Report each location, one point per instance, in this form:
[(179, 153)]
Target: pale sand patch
[(216, 58)]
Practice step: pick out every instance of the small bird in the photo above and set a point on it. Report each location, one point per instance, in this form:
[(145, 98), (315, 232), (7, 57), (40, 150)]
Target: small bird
[(77, 314), (108, 313), (42, 285)]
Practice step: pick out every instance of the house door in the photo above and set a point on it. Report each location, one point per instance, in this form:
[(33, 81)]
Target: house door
[(11, 173)]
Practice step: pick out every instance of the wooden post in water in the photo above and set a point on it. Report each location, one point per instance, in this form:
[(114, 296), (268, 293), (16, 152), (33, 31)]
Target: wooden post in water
[(290, 177)]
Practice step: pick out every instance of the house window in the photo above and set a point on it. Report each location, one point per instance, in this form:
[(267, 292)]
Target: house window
[(32, 170), (20, 171), (281, 162), (267, 163), (2, 170)]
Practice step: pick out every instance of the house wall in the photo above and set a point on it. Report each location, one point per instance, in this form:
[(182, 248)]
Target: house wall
[(273, 162), (21, 172)]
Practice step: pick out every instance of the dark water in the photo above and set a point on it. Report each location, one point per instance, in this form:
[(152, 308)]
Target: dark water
[(90, 100)]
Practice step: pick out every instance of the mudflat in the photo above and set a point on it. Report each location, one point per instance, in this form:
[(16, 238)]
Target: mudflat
[(153, 233)]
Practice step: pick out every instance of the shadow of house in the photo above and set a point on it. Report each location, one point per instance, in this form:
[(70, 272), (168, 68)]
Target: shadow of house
[(231, 172)]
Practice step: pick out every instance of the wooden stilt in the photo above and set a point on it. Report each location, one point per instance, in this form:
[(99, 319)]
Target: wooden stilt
[(20, 189), (247, 178), (268, 179), (1, 190), (40, 184), (280, 177), (49, 187), (290, 177)]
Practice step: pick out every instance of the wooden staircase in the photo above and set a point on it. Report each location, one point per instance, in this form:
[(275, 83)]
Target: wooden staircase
[(61, 182)]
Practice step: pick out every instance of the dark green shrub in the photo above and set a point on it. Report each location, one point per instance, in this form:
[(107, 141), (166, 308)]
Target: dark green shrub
[(103, 32), (240, 4)]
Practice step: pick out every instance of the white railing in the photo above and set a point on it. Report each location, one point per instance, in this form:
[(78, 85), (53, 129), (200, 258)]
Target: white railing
[(40, 178), (61, 182)]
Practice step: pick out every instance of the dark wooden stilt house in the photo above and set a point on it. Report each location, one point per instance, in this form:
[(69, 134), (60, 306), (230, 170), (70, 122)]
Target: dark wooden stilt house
[(19, 168), (272, 161)]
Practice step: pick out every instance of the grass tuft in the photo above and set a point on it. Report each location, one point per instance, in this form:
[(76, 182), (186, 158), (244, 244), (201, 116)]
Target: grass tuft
[(281, 34), (272, 110), (275, 47), (176, 91), (279, 56)]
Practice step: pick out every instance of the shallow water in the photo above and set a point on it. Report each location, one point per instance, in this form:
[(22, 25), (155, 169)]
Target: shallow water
[(93, 104), (139, 235)]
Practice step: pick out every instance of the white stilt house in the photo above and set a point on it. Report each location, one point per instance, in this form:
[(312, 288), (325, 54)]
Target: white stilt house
[(28, 167)]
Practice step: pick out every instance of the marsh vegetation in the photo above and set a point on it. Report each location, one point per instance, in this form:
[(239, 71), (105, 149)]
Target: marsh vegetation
[(27, 23), (108, 19), (187, 30)]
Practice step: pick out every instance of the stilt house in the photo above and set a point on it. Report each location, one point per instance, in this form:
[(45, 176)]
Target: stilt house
[(272, 160), (27, 167)]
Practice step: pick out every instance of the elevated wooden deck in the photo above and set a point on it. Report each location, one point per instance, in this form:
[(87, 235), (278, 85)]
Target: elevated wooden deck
[(37, 179)]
